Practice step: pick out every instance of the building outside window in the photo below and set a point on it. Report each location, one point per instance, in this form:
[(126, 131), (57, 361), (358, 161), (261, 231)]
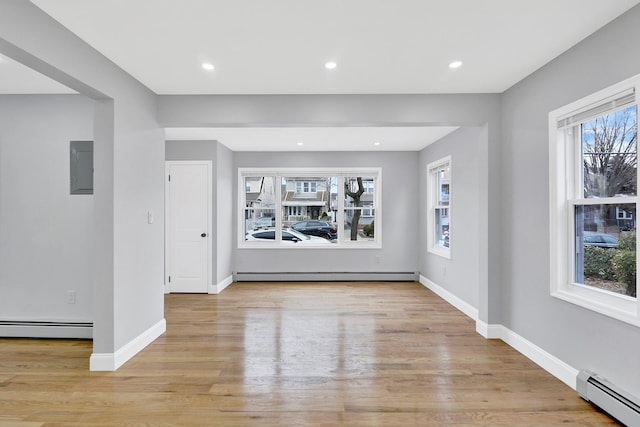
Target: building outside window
[(438, 207), (341, 206), (593, 163), (305, 187)]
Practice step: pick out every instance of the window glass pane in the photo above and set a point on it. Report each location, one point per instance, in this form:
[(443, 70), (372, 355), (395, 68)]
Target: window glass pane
[(259, 212), (260, 192), (358, 227), (359, 192), (605, 249), (442, 227), (442, 184), (610, 154), (306, 198), (359, 213)]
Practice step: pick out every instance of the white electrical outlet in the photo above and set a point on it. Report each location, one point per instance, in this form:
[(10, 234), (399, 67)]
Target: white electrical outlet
[(71, 297)]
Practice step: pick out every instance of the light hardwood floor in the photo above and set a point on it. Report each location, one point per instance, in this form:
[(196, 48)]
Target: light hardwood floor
[(293, 354)]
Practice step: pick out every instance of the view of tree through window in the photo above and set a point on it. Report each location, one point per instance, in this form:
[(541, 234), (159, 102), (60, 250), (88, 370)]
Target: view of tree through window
[(609, 155)]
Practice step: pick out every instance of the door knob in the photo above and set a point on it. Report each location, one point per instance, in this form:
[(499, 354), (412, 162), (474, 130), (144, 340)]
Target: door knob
[(203, 235)]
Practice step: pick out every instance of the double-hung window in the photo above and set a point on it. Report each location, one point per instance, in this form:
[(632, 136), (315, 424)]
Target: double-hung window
[(593, 153), (309, 208), (439, 207)]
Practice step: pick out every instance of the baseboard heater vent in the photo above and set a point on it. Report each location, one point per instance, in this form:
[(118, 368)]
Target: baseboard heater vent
[(617, 403), (45, 329), (325, 277)]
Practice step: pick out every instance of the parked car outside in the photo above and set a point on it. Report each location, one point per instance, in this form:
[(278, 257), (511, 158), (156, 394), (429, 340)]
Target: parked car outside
[(289, 236), (601, 240), (318, 228)]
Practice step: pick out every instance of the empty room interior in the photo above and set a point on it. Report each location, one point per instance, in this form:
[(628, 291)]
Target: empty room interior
[(319, 213)]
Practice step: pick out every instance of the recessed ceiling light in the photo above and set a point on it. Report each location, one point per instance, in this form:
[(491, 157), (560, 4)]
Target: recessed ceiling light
[(208, 66), (455, 64), (330, 65), (300, 144), (376, 144)]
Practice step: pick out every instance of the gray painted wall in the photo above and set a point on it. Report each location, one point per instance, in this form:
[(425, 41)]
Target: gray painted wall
[(579, 337), (46, 234), (460, 274), (129, 171), (225, 211), (399, 250)]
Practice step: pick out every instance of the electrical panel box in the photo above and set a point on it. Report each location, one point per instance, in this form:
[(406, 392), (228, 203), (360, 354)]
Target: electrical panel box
[(81, 162)]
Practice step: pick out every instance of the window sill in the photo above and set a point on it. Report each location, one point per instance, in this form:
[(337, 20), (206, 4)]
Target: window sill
[(442, 252)]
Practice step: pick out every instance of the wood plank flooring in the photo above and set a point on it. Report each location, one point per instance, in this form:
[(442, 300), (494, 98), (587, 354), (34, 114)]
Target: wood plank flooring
[(293, 354)]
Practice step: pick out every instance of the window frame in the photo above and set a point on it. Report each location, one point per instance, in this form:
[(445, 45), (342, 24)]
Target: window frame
[(565, 182), (340, 173), (433, 205)]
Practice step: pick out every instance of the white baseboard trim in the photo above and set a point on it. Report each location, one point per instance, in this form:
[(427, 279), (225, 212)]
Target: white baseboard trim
[(461, 305), (556, 367), (321, 276), (112, 361), (222, 285), (491, 332)]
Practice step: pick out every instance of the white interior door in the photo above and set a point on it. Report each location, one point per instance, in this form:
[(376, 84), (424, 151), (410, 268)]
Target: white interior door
[(188, 228)]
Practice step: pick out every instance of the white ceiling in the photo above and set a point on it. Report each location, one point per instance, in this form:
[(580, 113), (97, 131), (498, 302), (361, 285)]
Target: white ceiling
[(280, 47), (380, 46)]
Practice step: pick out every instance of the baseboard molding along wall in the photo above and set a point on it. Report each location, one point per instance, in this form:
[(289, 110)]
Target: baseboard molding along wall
[(221, 286), (321, 276), (461, 305), (112, 361), (556, 367)]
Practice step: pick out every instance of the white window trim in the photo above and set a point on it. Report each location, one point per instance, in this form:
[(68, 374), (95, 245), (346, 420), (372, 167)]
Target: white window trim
[(280, 173), (432, 196), (562, 222)]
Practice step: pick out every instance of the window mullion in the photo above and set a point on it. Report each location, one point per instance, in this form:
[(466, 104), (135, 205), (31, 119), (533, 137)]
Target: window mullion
[(340, 206), (278, 208)]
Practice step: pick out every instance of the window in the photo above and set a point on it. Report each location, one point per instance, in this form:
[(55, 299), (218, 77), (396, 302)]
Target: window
[(306, 187), (340, 207), (438, 207), (593, 149)]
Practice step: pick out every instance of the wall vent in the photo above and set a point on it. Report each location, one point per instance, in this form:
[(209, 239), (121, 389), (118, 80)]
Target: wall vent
[(325, 276), (614, 401), (44, 329)]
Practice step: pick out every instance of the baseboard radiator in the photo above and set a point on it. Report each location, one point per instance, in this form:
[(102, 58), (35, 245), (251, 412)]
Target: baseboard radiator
[(619, 404), (325, 277), (44, 329)]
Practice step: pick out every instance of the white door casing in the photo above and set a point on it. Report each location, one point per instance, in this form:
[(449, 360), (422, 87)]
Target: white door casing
[(188, 205)]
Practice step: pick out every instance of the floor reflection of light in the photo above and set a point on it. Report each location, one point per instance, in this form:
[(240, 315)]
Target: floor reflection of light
[(289, 350)]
